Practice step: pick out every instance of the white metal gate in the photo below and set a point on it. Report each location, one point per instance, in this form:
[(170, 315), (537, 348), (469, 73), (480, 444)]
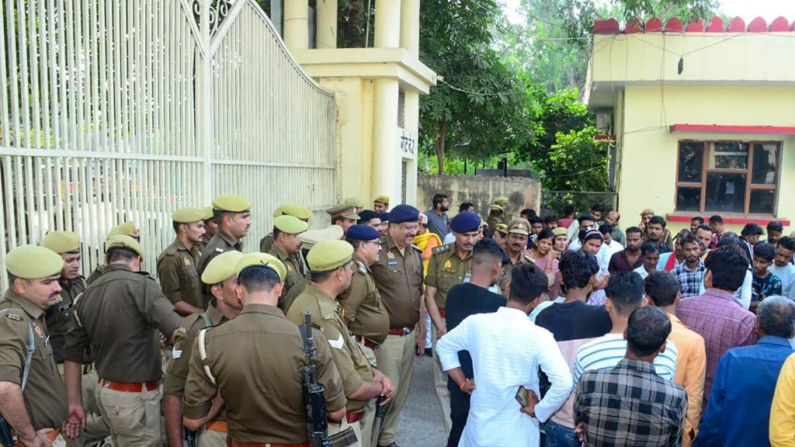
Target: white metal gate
[(116, 110)]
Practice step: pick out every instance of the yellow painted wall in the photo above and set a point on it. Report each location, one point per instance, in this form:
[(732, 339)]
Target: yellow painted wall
[(648, 157)]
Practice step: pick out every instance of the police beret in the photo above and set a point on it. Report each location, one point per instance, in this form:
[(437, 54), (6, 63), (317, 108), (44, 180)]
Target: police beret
[(363, 233), (344, 210), (61, 242), (32, 262), (560, 231), (312, 237), (404, 213), (384, 217), (329, 255), (126, 229), (519, 226), (221, 268), (355, 202), (290, 224), (187, 215), (367, 215), (502, 200), (207, 213), (122, 241), (262, 259), (293, 210), (502, 228), (465, 222), (382, 199), (232, 203)]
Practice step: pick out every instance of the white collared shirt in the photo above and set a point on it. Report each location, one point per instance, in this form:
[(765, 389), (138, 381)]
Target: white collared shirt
[(507, 349)]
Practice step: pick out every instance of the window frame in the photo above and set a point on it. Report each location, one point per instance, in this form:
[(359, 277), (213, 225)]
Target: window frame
[(748, 171)]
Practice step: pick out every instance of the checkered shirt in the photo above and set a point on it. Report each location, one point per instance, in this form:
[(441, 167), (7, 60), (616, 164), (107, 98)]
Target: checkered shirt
[(690, 281), (723, 323), (629, 405)]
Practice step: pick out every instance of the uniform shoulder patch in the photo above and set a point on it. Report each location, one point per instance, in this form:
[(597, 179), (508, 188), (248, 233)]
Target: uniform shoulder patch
[(339, 343), (13, 316)]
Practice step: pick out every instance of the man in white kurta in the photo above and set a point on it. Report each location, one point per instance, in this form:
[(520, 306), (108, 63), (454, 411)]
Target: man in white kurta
[(507, 349)]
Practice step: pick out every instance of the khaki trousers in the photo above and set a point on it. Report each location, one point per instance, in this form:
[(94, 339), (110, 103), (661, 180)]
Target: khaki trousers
[(334, 428), (440, 384), (396, 361), (369, 412), (212, 438), (96, 429), (133, 418)]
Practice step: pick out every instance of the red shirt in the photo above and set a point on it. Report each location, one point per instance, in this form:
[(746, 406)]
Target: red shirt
[(566, 222)]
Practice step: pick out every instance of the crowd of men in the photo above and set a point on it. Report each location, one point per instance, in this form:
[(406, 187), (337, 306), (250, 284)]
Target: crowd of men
[(543, 331)]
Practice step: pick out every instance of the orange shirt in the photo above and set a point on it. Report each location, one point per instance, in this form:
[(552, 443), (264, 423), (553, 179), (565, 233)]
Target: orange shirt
[(691, 369)]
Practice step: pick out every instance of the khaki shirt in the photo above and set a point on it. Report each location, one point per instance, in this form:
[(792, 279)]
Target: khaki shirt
[(220, 243), (492, 223), (348, 357), (255, 359), (179, 278), (177, 372), (287, 299), (118, 316), (294, 270), (362, 308), (399, 282), (59, 316), (44, 394), (446, 269), (95, 274), (266, 243), (505, 277)]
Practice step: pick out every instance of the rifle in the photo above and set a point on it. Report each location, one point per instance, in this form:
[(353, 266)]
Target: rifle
[(190, 437), (314, 401), (7, 437)]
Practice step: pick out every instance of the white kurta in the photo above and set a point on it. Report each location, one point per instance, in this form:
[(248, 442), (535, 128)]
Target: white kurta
[(507, 349)]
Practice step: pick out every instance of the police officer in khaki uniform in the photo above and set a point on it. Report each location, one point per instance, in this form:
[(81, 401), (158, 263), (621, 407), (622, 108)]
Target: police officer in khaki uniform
[(343, 215), (221, 277), (381, 204), (233, 215), (308, 240), (496, 217), (125, 229), (285, 210), (176, 266), (286, 248), (364, 313), (398, 276), (515, 245), (356, 202), (210, 228), (448, 266), (503, 203), (260, 351), (59, 320), (32, 395), (117, 317), (331, 269)]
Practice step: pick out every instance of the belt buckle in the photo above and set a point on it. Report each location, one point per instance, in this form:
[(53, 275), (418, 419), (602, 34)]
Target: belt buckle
[(406, 330)]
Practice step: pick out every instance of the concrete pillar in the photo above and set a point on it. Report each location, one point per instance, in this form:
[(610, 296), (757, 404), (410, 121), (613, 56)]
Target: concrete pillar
[(387, 24), (411, 121), (410, 26), (296, 24), (326, 23), (386, 172)]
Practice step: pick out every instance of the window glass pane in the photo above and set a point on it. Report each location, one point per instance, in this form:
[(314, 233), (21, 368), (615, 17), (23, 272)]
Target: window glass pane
[(728, 155), (765, 160), (762, 202), (691, 160), (725, 192), (688, 199)]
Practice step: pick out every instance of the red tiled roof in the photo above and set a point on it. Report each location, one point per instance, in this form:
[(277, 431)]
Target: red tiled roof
[(674, 25)]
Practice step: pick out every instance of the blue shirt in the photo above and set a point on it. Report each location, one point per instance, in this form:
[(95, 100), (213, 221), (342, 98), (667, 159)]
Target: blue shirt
[(738, 411), (436, 223)]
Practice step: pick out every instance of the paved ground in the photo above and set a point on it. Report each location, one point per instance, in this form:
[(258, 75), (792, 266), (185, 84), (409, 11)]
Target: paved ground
[(421, 418)]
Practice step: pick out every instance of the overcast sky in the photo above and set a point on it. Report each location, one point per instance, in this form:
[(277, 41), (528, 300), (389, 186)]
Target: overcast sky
[(747, 9)]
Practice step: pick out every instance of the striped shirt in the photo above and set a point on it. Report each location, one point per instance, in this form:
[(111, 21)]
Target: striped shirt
[(606, 351)]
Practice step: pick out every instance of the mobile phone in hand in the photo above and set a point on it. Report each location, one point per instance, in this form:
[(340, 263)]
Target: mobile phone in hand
[(521, 396)]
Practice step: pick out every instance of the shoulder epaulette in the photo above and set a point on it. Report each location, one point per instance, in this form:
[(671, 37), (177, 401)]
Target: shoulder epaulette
[(442, 248), (12, 314), (416, 248), (362, 268)]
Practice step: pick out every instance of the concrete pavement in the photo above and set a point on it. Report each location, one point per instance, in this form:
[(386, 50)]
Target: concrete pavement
[(421, 418)]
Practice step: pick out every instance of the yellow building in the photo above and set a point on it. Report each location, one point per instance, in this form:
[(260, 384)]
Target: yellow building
[(703, 118), (378, 91)]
